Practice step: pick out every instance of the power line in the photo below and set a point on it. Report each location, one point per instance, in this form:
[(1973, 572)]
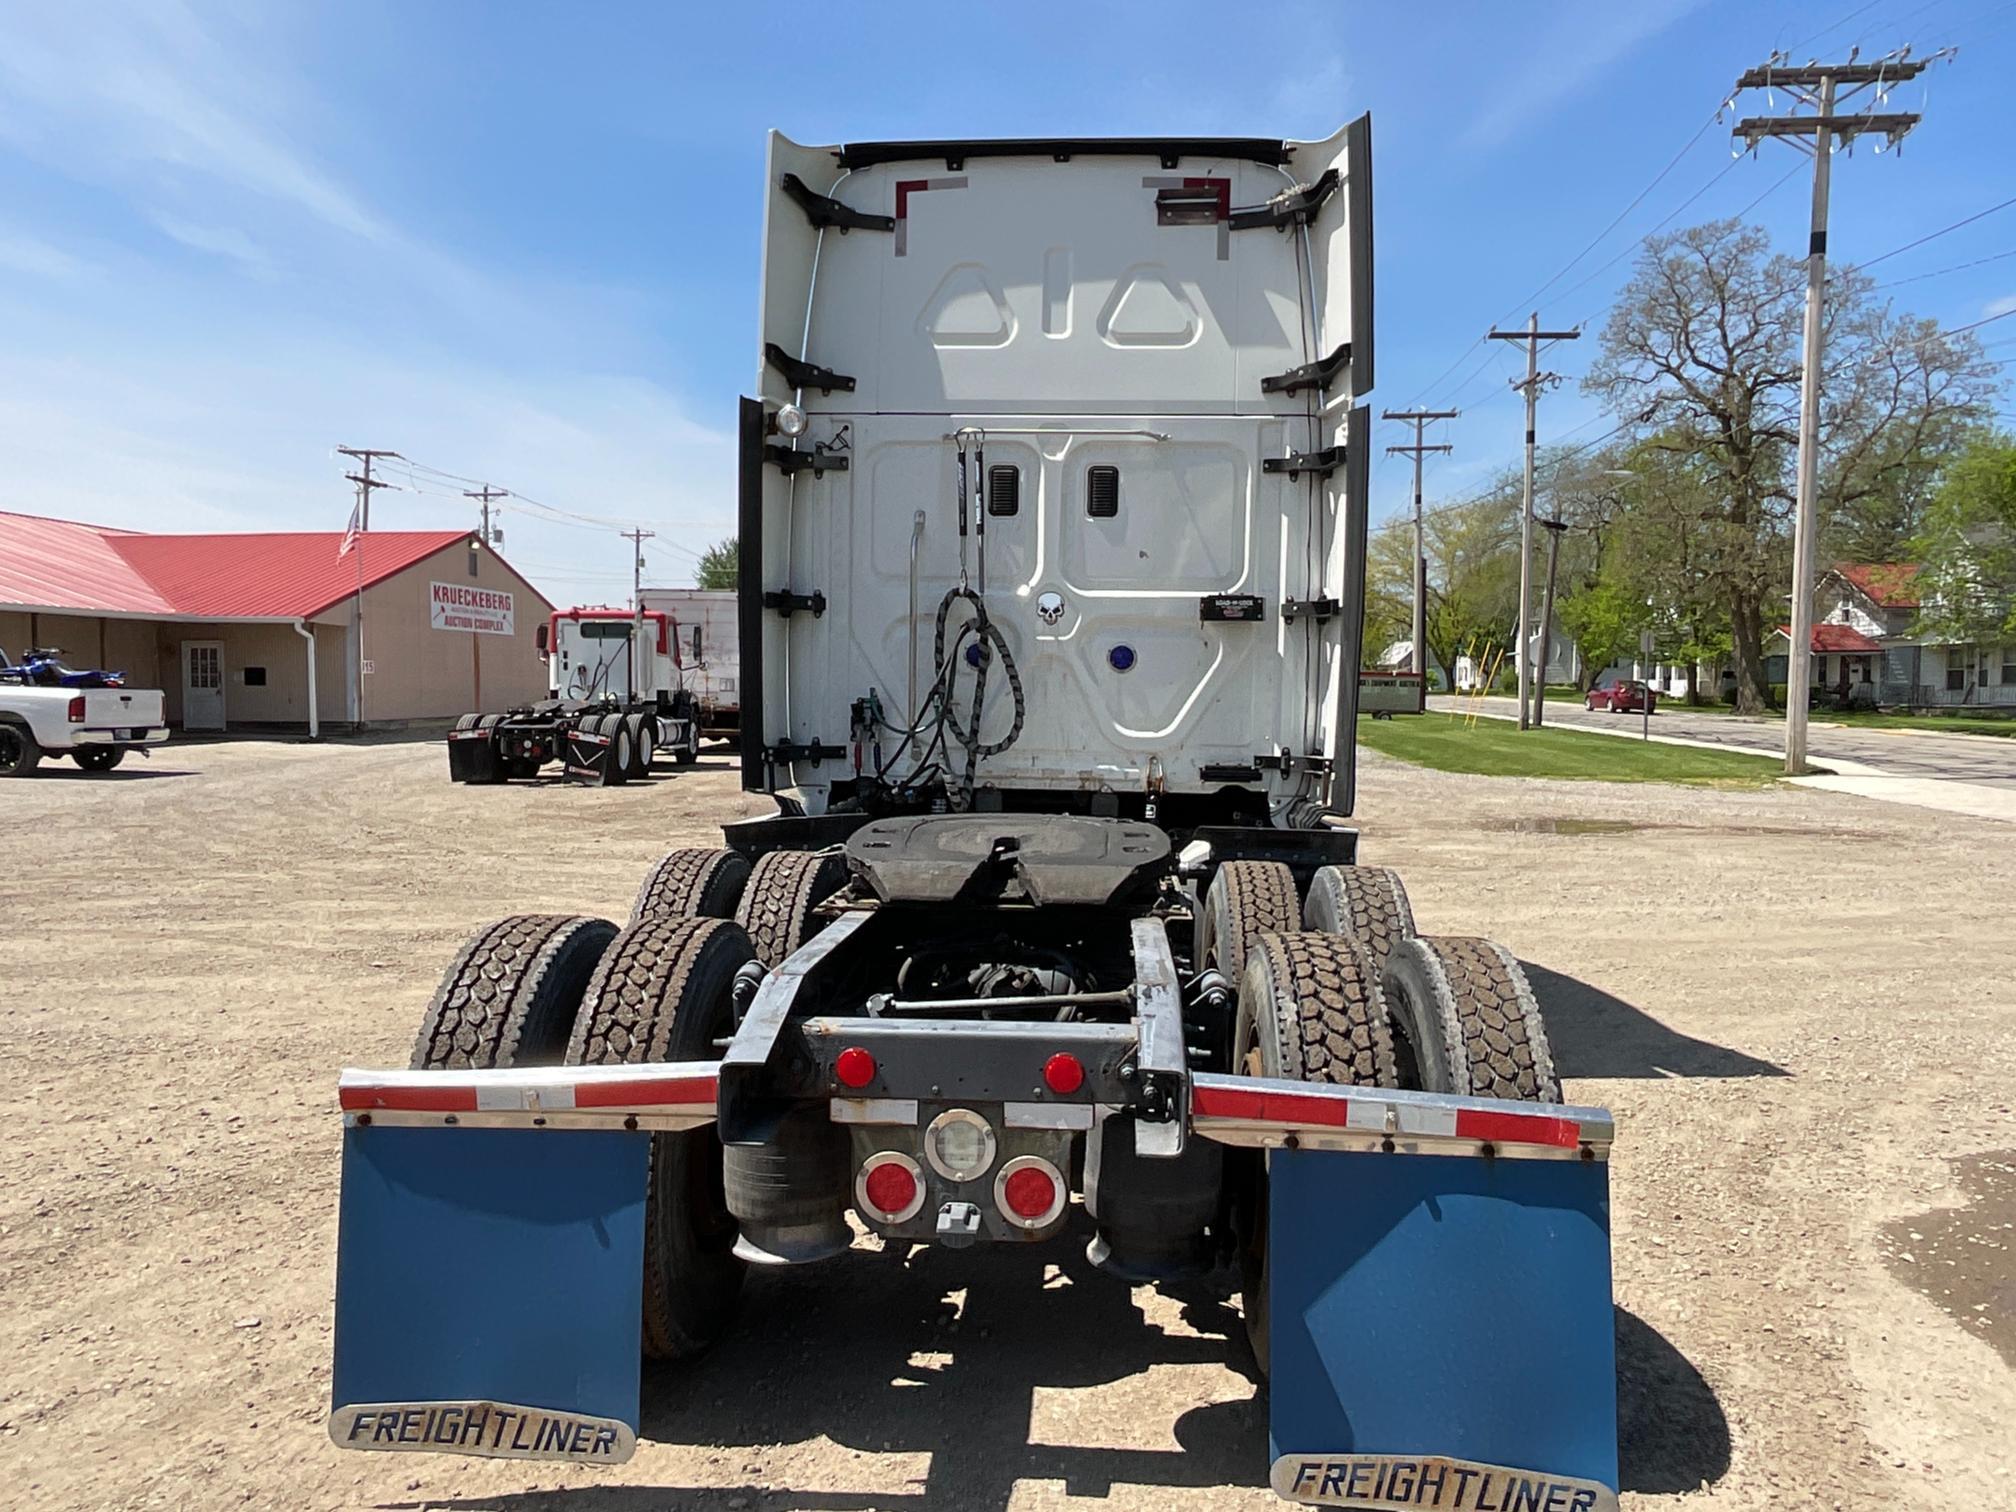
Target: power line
[(1935, 235), (1942, 272)]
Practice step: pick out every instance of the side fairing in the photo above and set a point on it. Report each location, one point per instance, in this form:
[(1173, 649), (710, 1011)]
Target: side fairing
[(1104, 327)]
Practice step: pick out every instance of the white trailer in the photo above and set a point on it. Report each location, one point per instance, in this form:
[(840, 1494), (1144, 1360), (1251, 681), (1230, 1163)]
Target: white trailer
[(709, 652)]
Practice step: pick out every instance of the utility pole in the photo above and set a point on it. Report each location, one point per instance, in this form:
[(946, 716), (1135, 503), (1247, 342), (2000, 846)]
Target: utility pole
[(485, 494), (637, 538), (1553, 527), (1820, 87), (1535, 381), (366, 485), (1416, 450)]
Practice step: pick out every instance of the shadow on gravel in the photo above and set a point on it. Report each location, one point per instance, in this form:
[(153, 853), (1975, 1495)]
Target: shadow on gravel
[(886, 1356), (1595, 1033), (1671, 1434), (68, 773)]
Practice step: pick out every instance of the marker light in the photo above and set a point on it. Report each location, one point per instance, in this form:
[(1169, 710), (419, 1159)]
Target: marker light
[(959, 1144), (890, 1187), (1063, 1074), (855, 1067), (1030, 1192), (790, 421)]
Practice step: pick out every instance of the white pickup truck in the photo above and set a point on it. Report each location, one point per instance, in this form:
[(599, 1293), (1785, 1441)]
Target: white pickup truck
[(94, 727)]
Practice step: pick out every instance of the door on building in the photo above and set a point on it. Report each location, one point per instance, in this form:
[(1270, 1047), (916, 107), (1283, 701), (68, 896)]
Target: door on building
[(202, 685)]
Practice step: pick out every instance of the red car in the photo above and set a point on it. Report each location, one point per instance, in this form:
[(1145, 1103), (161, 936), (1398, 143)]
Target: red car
[(1622, 698)]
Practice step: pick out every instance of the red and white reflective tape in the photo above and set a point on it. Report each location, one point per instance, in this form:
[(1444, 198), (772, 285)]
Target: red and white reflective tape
[(665, 1097), (1244, 1110)]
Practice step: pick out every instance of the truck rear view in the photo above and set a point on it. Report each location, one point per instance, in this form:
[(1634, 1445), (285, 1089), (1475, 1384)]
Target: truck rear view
[(1052, 530)]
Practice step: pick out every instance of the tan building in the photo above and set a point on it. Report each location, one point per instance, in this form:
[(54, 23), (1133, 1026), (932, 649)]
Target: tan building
[(277, 630)]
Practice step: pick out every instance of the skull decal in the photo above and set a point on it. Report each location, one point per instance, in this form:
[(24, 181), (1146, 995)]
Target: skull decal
[(1050, 607)]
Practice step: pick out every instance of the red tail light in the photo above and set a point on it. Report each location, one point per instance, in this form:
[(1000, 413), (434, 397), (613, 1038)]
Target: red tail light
[(890, 1187), (855, 1067), (1030, 1192), (1063, 1074), (77, 709)]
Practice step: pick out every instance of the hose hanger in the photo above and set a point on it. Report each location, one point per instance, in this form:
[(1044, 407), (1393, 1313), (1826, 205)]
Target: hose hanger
[(977, 492)]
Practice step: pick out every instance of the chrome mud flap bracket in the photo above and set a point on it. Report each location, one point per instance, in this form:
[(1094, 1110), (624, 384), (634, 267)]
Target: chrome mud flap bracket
[(1440, 1327)]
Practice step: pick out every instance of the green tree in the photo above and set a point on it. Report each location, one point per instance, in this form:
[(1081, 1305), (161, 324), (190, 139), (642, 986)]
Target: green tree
[(1968, 545), (718, 566), (1701, 359)]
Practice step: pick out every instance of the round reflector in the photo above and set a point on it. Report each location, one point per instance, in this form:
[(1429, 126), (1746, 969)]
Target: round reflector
[(855, 1067), (1030, 1192), (1063, 1074), (890, 1187)]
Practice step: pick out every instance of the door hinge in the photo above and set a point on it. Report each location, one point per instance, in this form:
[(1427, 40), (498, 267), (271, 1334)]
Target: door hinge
[(794, 462), (787, 751), (788, 604), (822, 211), (1322, 463), (1318, 609), (1315, 374), (809, 375), (1286, 762)]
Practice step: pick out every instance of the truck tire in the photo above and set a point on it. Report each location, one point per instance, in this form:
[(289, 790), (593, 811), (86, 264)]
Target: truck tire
[(688, 750), (1366, 902), (1310, 1010), (1470, 1020), (777, 903), (467, 721), (644, 741), (510, 996), (1245, 899), (619, 752), (19, 754), (664, 991), (98, 758), (693, 884)]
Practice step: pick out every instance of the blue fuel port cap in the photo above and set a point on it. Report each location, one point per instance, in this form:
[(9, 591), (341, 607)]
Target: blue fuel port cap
[(1121, 658)]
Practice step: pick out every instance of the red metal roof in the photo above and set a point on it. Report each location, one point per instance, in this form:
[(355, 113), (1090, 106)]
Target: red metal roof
[(62, 566), (1891, 585), (1836, 640)]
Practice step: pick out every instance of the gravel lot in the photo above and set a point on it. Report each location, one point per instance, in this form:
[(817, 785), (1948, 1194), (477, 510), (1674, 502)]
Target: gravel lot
[(1798, 1004)]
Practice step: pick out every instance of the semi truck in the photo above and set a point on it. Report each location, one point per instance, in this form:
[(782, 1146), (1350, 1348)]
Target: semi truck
[(1052, 518), (708, 650), (618, 696)]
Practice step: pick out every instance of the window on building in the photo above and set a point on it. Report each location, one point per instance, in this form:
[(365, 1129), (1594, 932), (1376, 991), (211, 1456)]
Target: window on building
[(2009, 664), (255, 677), (1956, 668)]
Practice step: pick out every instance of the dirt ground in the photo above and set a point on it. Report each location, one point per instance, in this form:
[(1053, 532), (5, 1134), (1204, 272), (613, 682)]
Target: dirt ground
[(1797, 1003)]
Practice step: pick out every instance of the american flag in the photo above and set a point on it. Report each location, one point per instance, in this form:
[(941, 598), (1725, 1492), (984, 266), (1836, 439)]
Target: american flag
[(350, 532)]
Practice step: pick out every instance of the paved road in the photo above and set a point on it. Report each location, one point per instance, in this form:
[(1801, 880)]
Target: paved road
[(1988, 761)]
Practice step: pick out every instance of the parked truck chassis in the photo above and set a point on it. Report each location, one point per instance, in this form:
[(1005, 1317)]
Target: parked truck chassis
[(1010, 964)]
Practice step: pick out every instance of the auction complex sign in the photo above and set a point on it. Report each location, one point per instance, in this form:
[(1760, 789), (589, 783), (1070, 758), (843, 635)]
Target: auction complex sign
[(457, 606)]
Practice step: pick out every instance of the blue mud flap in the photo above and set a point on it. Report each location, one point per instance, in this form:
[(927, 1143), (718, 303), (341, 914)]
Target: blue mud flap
[(1441, 1333), (489, 1292)]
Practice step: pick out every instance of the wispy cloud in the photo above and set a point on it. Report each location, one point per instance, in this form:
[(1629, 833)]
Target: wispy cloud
[(35, 258), (2000, 306), (1581, 42), (227, 242)]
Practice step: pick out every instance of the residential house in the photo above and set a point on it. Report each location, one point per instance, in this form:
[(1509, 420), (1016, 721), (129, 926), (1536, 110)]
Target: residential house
[(1865, 622)]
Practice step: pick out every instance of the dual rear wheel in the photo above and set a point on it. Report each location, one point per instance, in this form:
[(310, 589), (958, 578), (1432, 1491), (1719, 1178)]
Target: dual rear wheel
[(553, 989), (1354, 997)]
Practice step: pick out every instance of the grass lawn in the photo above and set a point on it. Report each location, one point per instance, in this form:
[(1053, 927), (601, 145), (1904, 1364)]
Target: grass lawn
[(1866, 719), (1499, 748)]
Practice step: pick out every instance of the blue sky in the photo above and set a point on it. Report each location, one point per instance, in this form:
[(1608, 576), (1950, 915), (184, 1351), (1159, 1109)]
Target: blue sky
[(519, 242)]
